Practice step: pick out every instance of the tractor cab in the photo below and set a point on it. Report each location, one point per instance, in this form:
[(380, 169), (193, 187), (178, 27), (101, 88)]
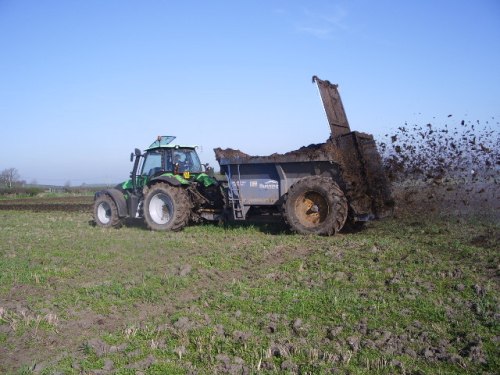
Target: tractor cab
[(164, 160), (176, 160), (162, 157)]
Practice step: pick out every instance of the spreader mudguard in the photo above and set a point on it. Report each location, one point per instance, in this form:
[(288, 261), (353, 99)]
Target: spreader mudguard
[(119, 199)]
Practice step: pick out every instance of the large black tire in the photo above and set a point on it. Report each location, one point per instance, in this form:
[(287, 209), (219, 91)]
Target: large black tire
[(106, 212), (166, 207), (315, 205)]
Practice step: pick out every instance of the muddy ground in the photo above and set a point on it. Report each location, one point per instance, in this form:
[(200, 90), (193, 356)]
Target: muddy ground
[(39, 204), (80, 332), (449, 198)]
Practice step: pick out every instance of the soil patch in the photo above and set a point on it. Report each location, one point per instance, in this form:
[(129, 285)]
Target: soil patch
[(69, 204)]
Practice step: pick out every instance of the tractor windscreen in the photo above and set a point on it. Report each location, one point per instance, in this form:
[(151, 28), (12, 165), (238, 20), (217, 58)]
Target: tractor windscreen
[(186, 160)]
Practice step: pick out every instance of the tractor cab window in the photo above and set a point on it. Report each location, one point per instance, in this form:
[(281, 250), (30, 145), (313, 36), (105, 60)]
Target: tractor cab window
[(186, 160), (152, 163)]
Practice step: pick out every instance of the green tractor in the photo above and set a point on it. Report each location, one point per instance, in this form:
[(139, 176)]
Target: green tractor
[(168, 188)]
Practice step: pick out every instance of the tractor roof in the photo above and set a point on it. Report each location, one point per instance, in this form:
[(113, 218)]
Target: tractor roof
[(164, 141)]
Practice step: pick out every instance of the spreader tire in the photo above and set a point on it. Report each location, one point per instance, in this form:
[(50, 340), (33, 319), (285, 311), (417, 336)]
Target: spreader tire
[(166, 207), (315, 205), (106, 212)]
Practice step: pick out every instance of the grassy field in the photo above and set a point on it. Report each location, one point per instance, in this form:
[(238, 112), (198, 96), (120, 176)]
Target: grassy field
[(409, 296)]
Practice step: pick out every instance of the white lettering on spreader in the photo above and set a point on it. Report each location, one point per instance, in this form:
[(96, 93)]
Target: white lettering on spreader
[(271, 185)]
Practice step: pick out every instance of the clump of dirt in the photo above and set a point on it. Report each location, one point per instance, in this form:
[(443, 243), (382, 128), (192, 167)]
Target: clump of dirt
[(316, 150), (487, 240), (228, 365), (229, 153)]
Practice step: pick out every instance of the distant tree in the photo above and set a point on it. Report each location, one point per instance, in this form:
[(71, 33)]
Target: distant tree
[(9, 177), (67, 186)]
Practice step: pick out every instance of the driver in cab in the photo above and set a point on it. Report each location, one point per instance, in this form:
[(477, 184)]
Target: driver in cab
[(180, 163)]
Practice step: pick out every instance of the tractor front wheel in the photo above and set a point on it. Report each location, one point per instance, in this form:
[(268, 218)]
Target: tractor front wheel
[(166, 207), (106, 212)]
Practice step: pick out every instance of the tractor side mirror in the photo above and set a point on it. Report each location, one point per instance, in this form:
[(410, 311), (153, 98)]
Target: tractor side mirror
[(136, 152)]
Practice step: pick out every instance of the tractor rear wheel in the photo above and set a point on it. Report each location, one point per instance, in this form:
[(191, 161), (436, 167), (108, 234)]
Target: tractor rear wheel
[(166, 207), (315, 205), (106, 212)]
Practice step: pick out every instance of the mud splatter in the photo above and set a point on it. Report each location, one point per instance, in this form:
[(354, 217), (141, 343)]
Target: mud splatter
[(452, 168), (465, 150)]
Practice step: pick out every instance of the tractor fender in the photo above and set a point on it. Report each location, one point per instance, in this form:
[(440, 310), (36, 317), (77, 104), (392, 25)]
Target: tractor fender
[(168, 179), (119, 199)]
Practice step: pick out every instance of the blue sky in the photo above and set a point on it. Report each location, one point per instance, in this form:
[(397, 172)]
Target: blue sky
[(82, 83)]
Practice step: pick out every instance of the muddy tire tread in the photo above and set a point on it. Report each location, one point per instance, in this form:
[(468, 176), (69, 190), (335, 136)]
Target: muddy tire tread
[(332, 193), (182, 207), (116, 221)]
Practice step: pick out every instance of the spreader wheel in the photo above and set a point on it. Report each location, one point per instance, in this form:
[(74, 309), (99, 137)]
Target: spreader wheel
[(315, 205)]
